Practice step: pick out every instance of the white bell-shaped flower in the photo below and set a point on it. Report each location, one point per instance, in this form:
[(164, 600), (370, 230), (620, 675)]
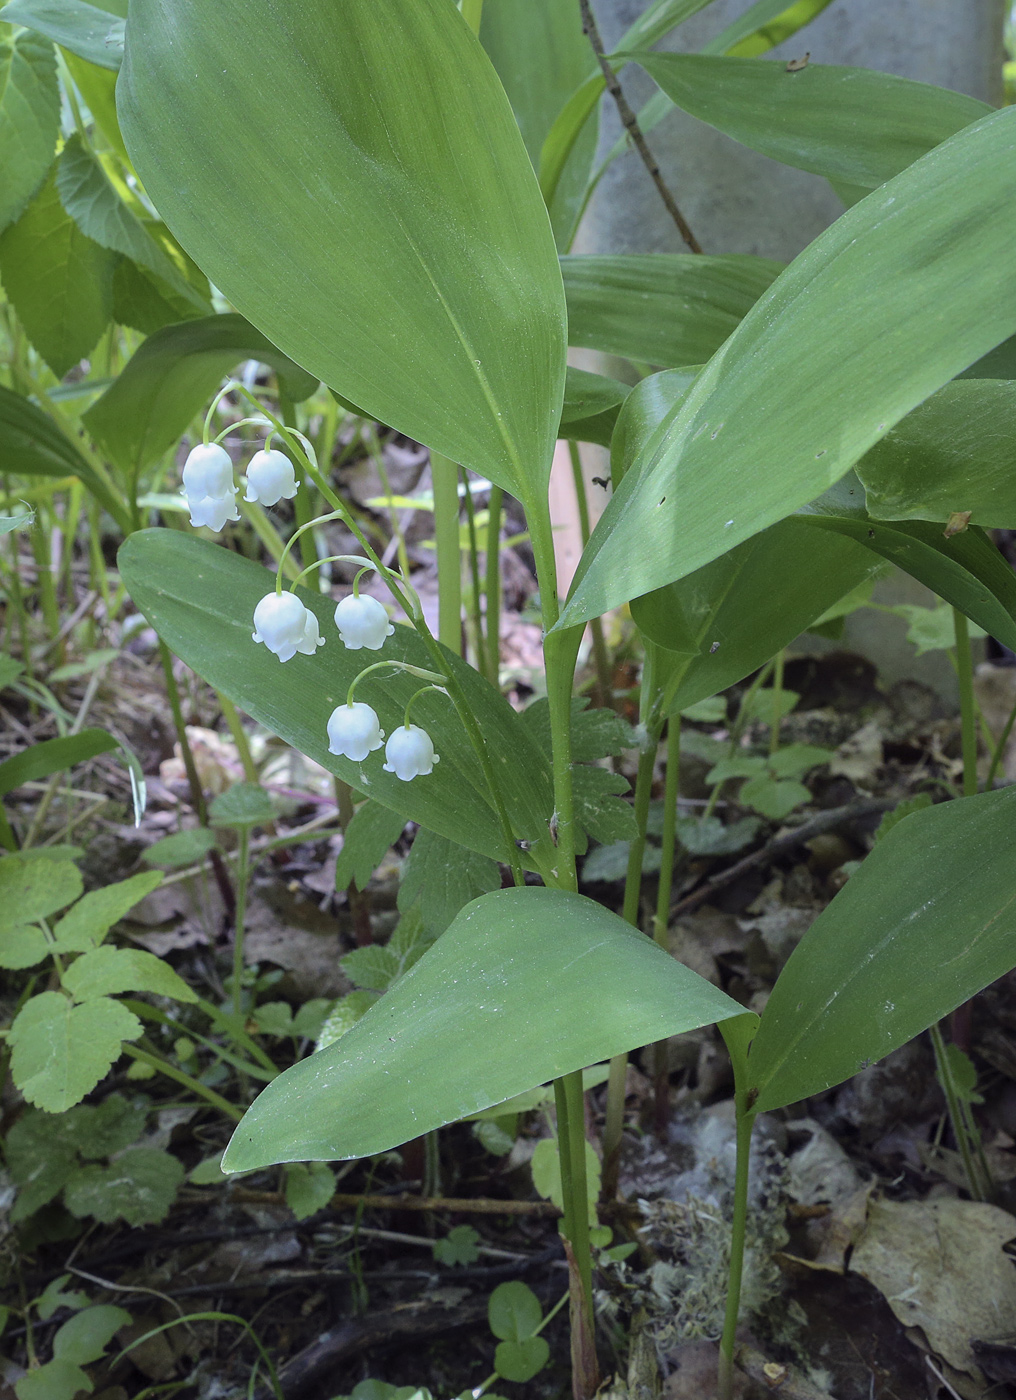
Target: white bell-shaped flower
[(410, 753), (362, 622), (285, 626), (208, 486), (354, 731), (270, 478)]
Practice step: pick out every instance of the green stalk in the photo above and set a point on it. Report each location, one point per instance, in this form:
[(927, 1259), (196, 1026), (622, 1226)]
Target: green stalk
[(774, 725), (999, 750), (475, 612), (601, 661), (235, 727), (242, 874), (968, 719), (662, 921), (738, 1231), (977, 1188), (445, 479), (188, 1081), (573, 1096), (173, 694), (492, 583)]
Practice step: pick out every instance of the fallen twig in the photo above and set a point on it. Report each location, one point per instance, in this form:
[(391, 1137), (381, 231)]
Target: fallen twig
[(461, 1205)]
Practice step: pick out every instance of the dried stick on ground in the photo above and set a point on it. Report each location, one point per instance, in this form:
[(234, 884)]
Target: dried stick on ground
[(631, 124)]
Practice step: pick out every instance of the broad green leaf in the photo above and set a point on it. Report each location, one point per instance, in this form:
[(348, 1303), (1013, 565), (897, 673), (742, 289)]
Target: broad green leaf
[(86, 30), (520, 1361), (98, 88), (728, 618), (10, 523), (890, 303), (87, 1335), (201, 599), (459, 1246), (309, 1188), (242, 805), (372, 968), (591, 406), (965, 569), (139, 1187), (541, 54), (665, 308), (52, 756), (144, 303), (393, 162), (171, 378), (86, 925), (90, 199), (643, 414), (764, 25), (57, 1295), (107, 971), (500, 1004), (936, 895), (514, 1311), (952, 454), (849, 124), (59, 282), (42, 1148), (182, 848), (546, 1168), (444, 878), (932, 629), (61, 1051), (773, 797), (365, 843), (56, 1380), (23, 946), (33, 445), (29, 119), (34, 889)]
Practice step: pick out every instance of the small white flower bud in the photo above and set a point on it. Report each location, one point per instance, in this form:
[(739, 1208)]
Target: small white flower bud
[(270, 478), (286, 626), (208, 486), (410, 753), (354, 731), (362, 622)]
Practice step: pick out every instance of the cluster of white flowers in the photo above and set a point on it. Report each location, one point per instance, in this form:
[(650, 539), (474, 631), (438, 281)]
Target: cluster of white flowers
[(208, 483)]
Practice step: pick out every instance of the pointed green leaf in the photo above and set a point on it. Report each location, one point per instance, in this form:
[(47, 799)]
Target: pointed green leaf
[(86, 925), (954, 453), (665, 308), (52, 756), (935, 896), (171, 378), (34, 889), (88, 31), (444, 878), (890, 303), (61, 1051), (29, 119), (591, 405), (87, 1335), (365, 843), (849, 124), (106, 971), (394, 162), (58, 281), (764, 25), (97, 87), (242, 805), (500, 1004), (201, 599)]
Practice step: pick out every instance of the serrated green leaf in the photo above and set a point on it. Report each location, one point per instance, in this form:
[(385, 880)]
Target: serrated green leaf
[(444, 877), (459, 1246), (139, 1187), (243, 805), (59, 282), (365, 843), (31, 890), (87, 30), (180, 849), (610, 863), (274, 1018), (42, 1148), (23, 946), (105, 971), (794, 760), (520, 1361), (600, 810), (61, 1051), (917, 803), (143, 302), (309, 1187), (29, 119), (343, 1017), (371, 968), (86, 925), (513, 1311), (773, 798), (709, 837), (86, 1336)]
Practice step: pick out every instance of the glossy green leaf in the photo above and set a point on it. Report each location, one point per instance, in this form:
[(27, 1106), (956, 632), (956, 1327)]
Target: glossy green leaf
[(171, 377), (954, 453), (59, 282), (201, 598), (86, 30), (52, 756), (394, 162), (849, 124), (90, 199), (591, 406), (29, 119), (966, 569), (926, 922), (665, 308), (890, 303), (541, 54), (643, 414), (731, 616), (31, 444), (500, 1004)]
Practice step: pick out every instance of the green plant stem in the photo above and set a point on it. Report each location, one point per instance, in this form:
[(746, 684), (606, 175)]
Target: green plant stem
[(242, 874), (661, 922), (601, 661), (445, 480), (998, 750), (475, 610), (190, 767), (968, 720), (977, 1188), (738, 1230), (572, 1153), (774, 724), (472, 11), (235, 727), (182, 1077), (492, 583)]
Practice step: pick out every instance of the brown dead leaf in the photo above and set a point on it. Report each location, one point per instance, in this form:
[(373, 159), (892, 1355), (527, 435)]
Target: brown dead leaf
[(860, 757), (940, 1266)]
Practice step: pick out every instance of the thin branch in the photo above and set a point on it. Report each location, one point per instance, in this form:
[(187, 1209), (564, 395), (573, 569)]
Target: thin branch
[(468, 1206), (631, 124)]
